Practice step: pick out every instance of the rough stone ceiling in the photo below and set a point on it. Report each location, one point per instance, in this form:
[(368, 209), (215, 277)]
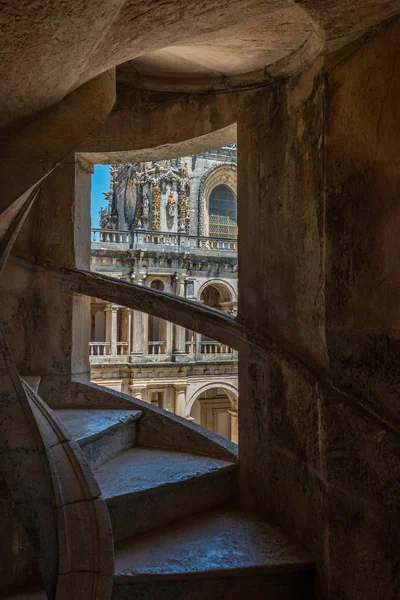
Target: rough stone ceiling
[(50, 48)]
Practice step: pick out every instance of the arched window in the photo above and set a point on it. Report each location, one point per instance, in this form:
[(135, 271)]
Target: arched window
[(222, 212)]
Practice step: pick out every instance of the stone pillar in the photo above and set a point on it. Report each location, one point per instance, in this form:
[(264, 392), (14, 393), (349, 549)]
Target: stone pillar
[(137, 335), (170, 398), (170, 338), (179, 341), (139, 329), (113, 329), (139, 391), (126, 334), (234, 426), (198, 345), (180, 399), (180, 332)]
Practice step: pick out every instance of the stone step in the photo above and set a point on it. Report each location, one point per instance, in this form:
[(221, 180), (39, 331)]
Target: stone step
[(30, 594), (226, 553), (101, 433), (147, 487)]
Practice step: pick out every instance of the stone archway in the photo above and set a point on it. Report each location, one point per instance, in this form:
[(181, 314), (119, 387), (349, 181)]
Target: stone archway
[(218, 294), (214, 406)]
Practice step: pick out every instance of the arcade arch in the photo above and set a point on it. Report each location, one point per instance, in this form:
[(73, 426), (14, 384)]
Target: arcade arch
[(215, 406)]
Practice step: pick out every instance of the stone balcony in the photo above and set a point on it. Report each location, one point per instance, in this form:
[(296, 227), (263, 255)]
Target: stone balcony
[(155, 240), (158, 351)]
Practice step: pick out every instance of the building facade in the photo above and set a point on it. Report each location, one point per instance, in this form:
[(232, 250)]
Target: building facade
[(172, 226)]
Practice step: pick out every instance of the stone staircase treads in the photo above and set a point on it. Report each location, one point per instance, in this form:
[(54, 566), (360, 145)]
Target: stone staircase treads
[(224, 553), (26, 595), (101, 433), (147, 487)]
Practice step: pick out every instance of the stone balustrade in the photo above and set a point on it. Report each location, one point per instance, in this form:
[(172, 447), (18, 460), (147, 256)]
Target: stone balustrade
[(99, 348), (103, 351), (212, 347), (159, 347), (140, 238)]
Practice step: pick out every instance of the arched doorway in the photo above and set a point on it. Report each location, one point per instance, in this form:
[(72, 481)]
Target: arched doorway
[(216, 410)]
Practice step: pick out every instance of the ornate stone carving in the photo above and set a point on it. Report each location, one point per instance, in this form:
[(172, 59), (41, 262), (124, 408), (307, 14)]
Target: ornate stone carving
[(108, 217), (181, 209), (187, 207), (156, 208), (171, 207), (145, 209)]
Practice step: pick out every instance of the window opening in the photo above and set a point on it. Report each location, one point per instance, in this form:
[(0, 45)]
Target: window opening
[(222, 212)]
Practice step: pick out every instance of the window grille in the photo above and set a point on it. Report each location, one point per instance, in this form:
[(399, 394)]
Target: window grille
[(222, 213)]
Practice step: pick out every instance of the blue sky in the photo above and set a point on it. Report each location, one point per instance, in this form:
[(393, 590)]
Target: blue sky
[(100, 183)]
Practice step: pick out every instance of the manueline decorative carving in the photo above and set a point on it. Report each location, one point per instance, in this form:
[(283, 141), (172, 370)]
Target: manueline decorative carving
[(156, 208), (108, 217), (181, 209), (152, 180), (171, 206), (187, 207), (145, 209)]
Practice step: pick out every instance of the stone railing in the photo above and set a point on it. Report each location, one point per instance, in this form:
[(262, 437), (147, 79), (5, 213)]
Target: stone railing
[(157, 348), (100, 352), (190, 347), (122, 348), (212, 347), (99, 348), (149, 239), (104, 349)]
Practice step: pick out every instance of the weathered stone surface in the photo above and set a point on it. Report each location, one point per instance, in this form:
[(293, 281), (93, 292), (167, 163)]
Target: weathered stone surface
[(362, 220), (52, 488), (85, 540), (32, 151), (25, 468), (18, 566), (213, 554), (146, 487), (101, 434), (320, 463), (293, 586), (122, 31), (157, 427), (319, 274)]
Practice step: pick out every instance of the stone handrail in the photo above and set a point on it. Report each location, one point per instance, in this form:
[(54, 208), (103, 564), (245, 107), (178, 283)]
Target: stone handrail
[(216, 325), (54, 492), (139, 238)]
